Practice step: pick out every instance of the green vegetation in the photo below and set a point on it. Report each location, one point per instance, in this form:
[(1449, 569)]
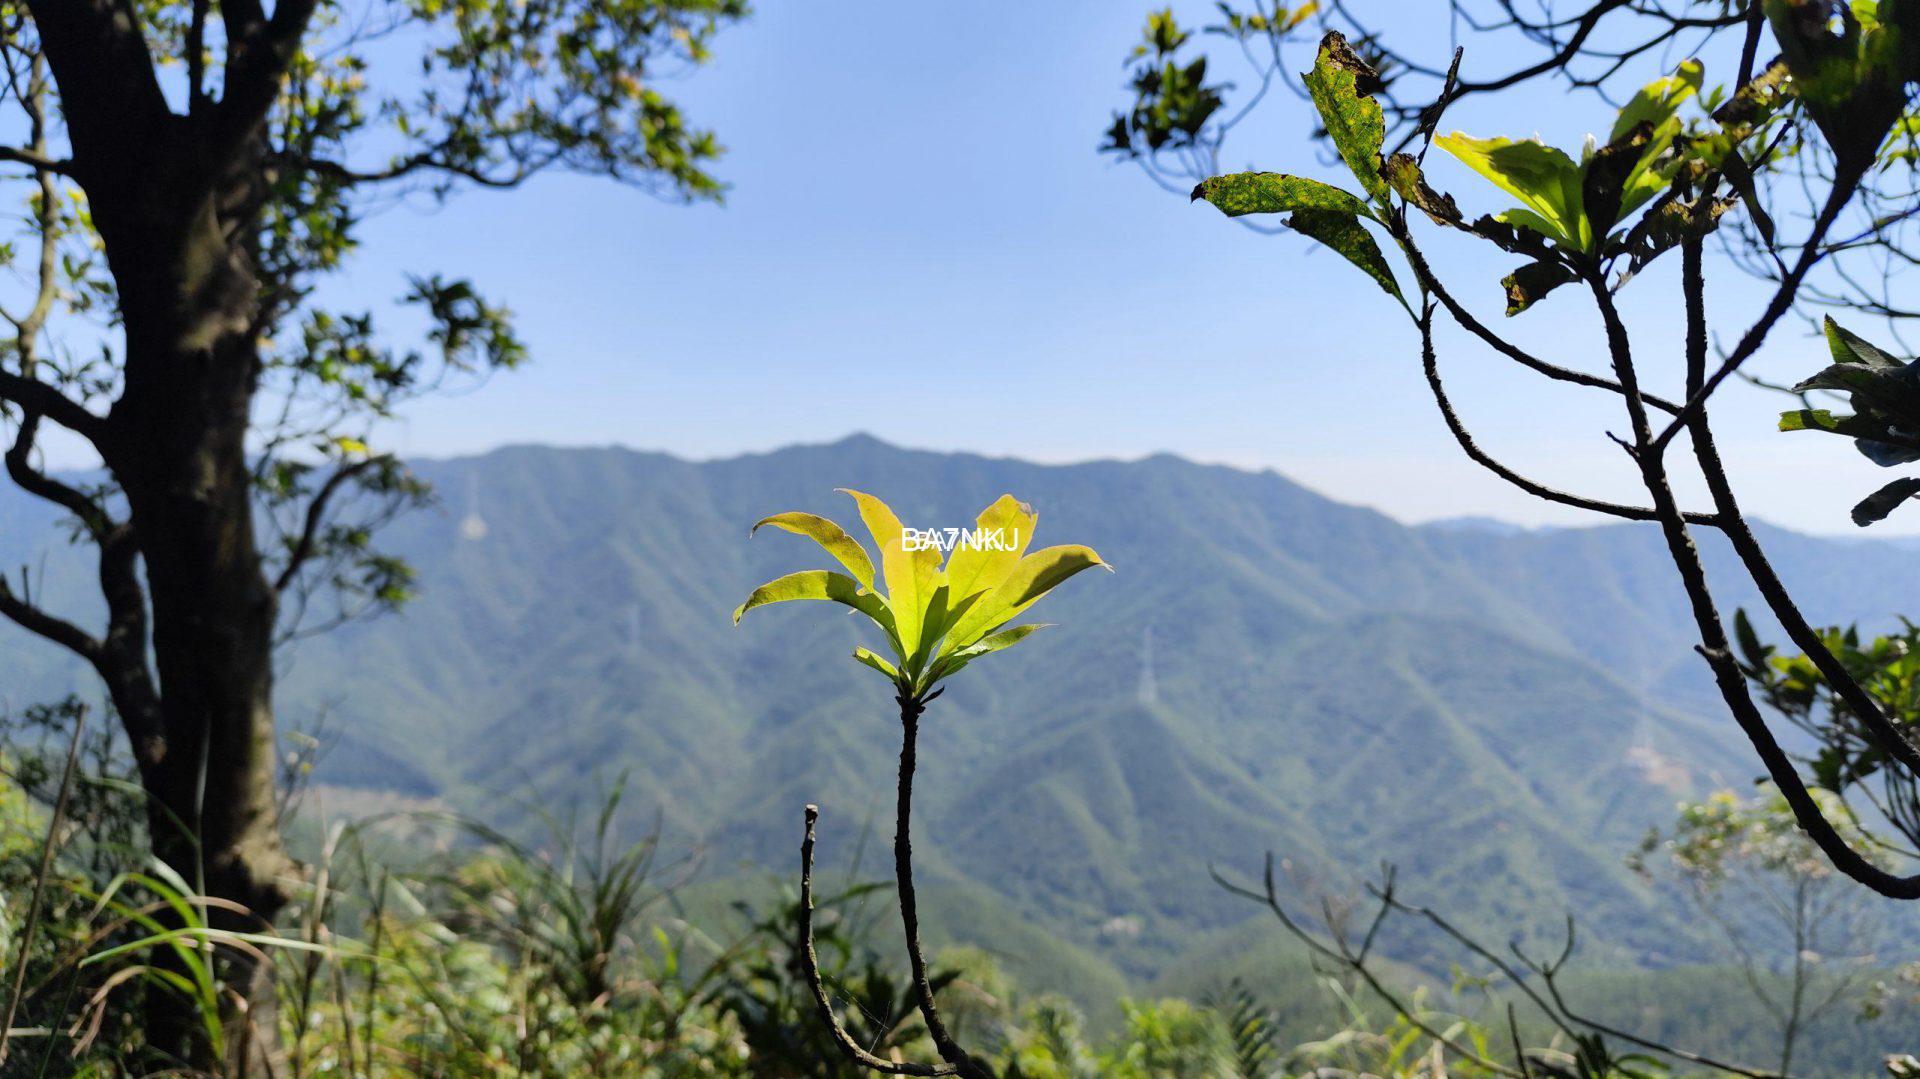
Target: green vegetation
[(572, 954)]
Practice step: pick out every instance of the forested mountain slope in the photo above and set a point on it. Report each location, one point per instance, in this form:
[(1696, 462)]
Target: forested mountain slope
[(1501, 713)]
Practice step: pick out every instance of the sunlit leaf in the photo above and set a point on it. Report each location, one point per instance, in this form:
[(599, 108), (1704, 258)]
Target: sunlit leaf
[(1543, 178), (828, 535), (1848, 347), (1659, 101), (878, 663), (818, 584), (972, 569), (1034, 576), (996, 642), (911, 576)]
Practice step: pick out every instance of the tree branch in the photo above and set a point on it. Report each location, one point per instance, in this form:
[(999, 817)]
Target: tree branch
[(259, 51), (109, 93), (316, 517), (1467, 321), (423, 161), (38, 397), (1752, 555), (35, 161), (910, 709), (1782, 301), (1430, 365), (1714, 646), (810, 964), (21, 611)]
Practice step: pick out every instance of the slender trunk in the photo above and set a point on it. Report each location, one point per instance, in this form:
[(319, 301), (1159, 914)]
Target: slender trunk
[(950, 1050)]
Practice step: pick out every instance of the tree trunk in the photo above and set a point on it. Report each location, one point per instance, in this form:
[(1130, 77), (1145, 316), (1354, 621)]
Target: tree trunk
[(177, 445)]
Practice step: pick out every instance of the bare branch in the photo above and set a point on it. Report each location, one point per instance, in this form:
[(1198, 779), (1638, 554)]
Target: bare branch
[(1473, 325), (35, 161), (303, 547), (1733, 523), (38, 397), (910, 709), (1782, 301), (1472, 449), (20, 469), (1714, 646), (22, 612), (810, 964)]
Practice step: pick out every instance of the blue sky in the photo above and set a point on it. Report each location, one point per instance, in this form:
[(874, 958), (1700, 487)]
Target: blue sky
[(922, 243)]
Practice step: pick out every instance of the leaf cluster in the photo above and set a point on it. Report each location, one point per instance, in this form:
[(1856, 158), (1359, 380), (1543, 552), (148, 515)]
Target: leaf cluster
[(936, 618), (1884, 392)]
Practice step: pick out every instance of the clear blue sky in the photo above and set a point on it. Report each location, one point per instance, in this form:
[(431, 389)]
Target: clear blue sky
[(922, 243)]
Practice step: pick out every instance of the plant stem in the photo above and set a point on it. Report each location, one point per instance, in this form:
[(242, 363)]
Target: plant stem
[(910, 709)]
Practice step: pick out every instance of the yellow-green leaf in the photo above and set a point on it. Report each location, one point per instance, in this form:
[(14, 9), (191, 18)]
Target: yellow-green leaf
[(1658, 101), (972, 569), (912, 577), (1033, 577), (1339, 84), (819, 584), (1543, 178), (829, 535), (996, 642), (877, 663), (992, 642)]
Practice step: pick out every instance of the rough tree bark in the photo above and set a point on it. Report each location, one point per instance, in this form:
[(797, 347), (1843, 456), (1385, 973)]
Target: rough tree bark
[(173, 198)]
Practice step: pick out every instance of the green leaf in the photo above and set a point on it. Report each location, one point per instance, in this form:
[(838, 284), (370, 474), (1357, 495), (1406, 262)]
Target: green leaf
[(992, 642), (1659, 101), (1877, 505), (1813, 419), (1543, 178), (1339, 85), (1849, 348), (1034, 576), (1756, 653), (1242, 193), (912, 577), (998, 642), (819, 584), (877, 663), (1636, 165), (1348, 238), (1320, 211), (829, 535)]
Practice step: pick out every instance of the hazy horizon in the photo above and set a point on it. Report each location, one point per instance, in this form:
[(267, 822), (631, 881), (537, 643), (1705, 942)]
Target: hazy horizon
[(1345, 498)]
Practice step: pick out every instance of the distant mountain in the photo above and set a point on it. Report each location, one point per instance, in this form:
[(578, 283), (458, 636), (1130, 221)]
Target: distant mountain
[(1493, 526), (1500, 712)]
